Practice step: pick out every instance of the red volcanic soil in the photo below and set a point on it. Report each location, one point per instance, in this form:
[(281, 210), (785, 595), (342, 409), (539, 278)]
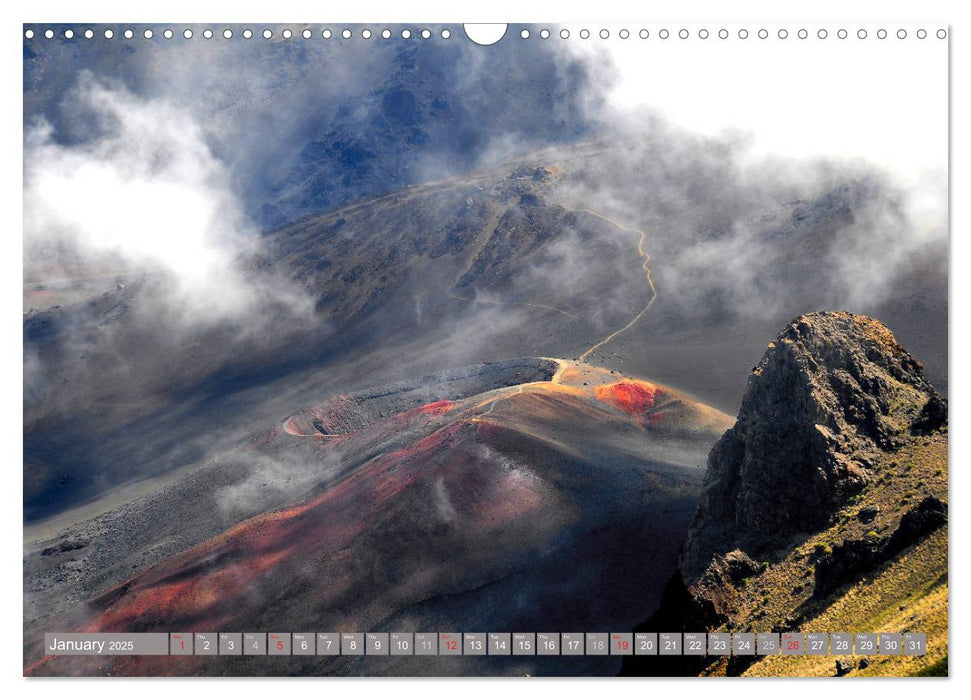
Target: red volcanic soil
[(222, 583), (660, 408), (440, 497), (632, 397), (436, 408), (206, 585)]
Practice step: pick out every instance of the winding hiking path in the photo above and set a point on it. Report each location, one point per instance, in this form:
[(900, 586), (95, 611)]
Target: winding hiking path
[(645, 266), (647, 271)]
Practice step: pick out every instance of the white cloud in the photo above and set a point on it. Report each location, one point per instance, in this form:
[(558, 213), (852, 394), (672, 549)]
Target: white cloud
[(146, 189), (880, 100)]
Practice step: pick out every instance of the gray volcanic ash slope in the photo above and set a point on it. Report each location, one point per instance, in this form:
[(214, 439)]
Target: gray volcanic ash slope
[(530, 258), (532, 494)]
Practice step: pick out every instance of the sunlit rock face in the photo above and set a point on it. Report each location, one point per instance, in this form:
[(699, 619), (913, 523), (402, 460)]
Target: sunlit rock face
[(831, 391)]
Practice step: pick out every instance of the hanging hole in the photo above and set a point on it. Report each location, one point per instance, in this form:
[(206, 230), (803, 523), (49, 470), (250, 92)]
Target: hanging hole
[(485, 34)]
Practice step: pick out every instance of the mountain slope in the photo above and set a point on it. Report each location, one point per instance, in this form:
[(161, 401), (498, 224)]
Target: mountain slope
[(824, 508), (542, 255), (529, 505)]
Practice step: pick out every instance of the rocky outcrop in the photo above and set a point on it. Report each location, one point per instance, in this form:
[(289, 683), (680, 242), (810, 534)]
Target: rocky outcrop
[(854, 558), (713, 594), (830, 393), (933, 416)]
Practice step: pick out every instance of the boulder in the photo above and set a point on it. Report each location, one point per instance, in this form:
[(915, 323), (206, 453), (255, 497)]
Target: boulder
[(818, 409)]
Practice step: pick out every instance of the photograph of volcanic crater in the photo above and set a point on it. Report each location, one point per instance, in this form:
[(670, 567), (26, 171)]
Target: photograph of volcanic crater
[(420, 335)]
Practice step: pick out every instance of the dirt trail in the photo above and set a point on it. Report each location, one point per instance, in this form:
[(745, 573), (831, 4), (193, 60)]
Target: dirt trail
[(647, 271), (502, 394), (645, 266)]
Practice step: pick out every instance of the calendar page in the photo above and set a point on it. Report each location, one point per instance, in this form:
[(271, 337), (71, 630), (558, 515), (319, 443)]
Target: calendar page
[(485, 350)]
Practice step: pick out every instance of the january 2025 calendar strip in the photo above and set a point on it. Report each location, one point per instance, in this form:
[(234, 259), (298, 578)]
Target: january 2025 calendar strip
[(485, 644)]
